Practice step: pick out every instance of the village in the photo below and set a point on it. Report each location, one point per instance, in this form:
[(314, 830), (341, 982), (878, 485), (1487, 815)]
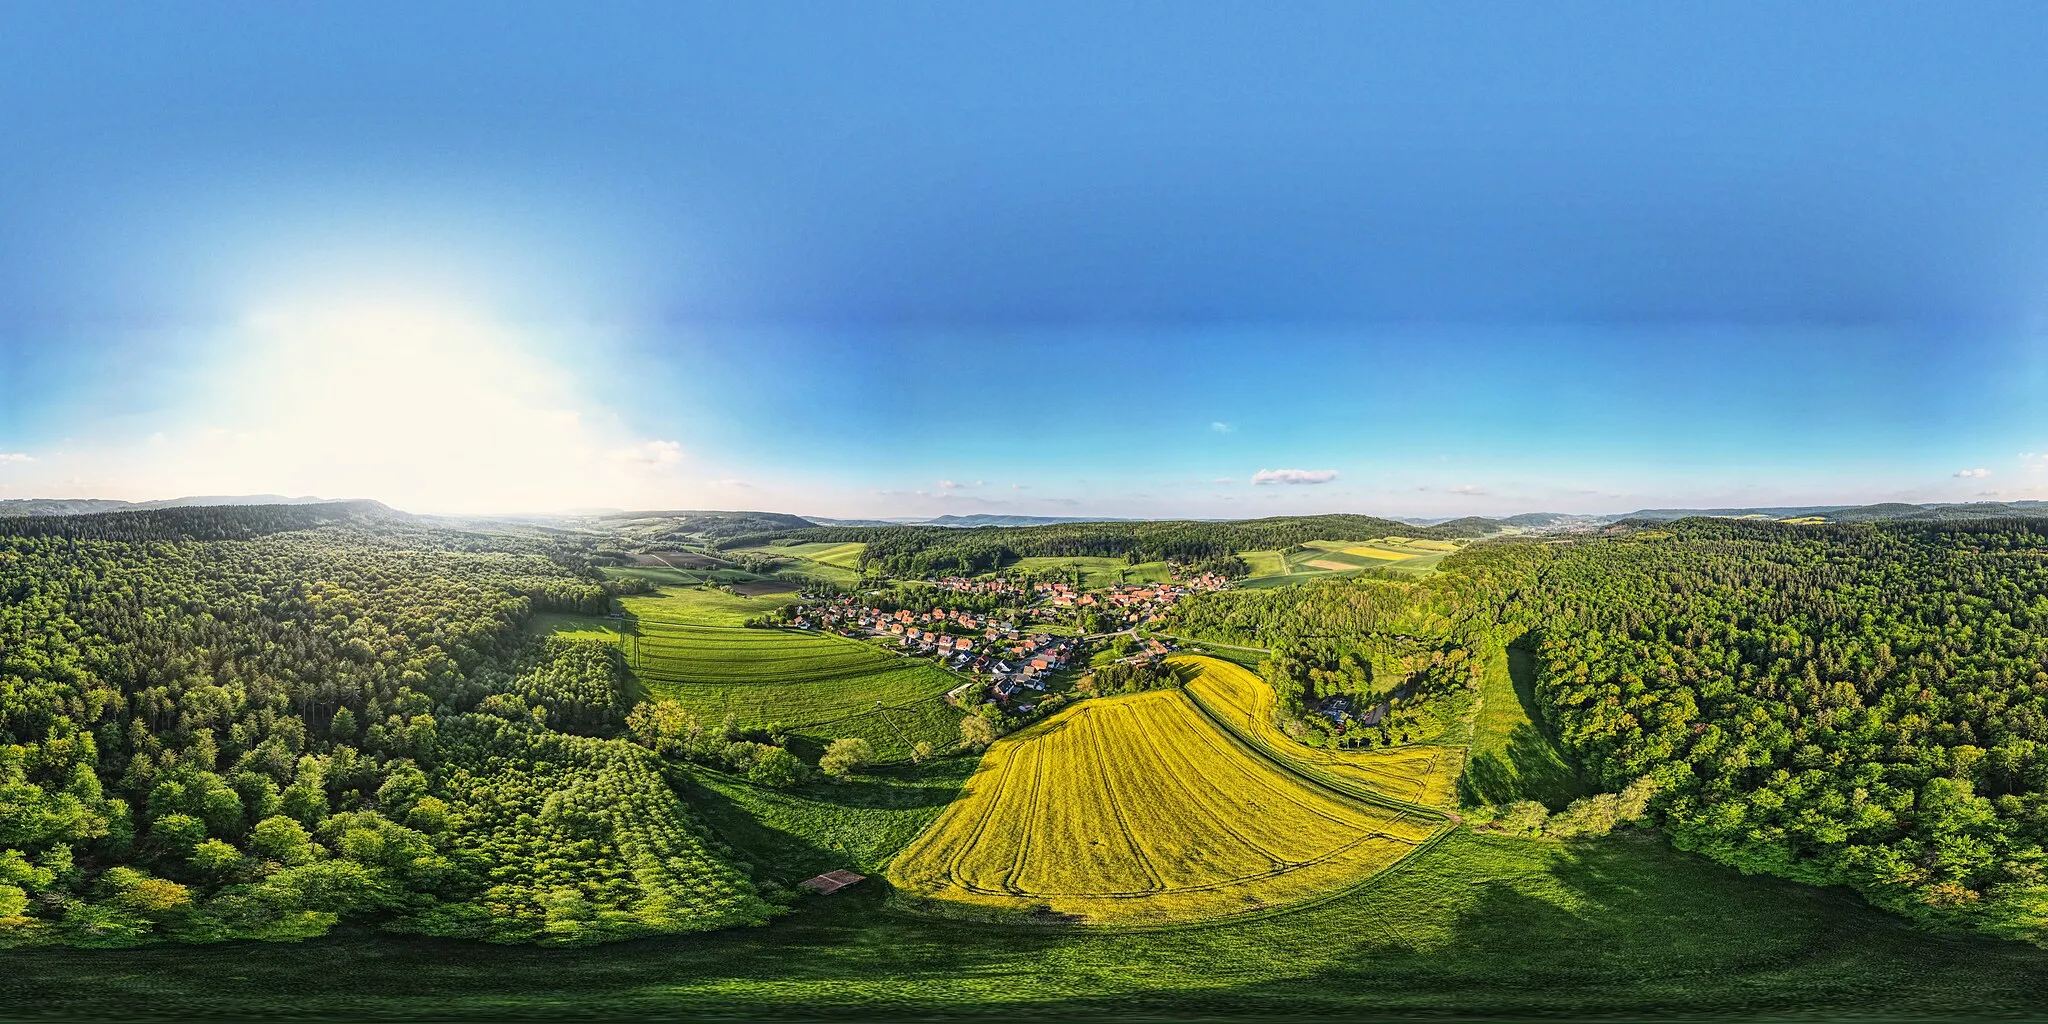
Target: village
[(1014, 656)]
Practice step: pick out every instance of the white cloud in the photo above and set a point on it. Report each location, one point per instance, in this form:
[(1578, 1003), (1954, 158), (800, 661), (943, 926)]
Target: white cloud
[(1294, 476), (1979, 472), (1224, 480), (1221, 427), (7, 457), (948, 485), (1020, 487)]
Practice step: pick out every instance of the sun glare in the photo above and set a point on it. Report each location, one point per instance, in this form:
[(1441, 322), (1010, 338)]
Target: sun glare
[(431, 408)]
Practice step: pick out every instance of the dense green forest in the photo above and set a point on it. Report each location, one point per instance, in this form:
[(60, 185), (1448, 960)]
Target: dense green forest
[(253, 722), (1861, 705), (928, 550)]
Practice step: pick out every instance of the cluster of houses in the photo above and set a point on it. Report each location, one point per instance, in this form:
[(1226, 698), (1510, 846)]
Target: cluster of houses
[(999, 650), (1023, 676), (1135, 603)]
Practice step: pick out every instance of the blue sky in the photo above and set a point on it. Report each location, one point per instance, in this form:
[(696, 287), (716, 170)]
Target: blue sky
[(1048, 258)]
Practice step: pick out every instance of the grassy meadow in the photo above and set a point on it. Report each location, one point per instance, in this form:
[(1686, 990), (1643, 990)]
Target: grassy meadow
[(698, 606), (839, 563), (1138, 810), (814, 685), (1099, 572), (1316, 559)]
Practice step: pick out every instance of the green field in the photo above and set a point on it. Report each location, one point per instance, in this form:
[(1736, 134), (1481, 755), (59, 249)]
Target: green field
[(845, 556), (575, 627), (658, 575), (817, 686), (839, 563), (700, 606), (1264, 563), (1312, 560), (1472, 927), (1098, 572)]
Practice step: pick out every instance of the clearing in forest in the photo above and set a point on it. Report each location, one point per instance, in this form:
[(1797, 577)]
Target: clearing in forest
[(1265, 563), (1419, 773), (1099, 571), (1142, 810)]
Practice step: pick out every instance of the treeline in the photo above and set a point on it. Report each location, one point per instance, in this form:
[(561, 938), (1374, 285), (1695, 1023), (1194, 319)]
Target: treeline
[(933, 550)]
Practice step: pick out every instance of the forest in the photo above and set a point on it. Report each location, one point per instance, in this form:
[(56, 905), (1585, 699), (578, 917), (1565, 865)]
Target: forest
[(255, 722)]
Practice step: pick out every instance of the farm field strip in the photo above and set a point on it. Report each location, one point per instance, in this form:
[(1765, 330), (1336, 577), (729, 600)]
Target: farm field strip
[(1243, 703), (1140, 810)]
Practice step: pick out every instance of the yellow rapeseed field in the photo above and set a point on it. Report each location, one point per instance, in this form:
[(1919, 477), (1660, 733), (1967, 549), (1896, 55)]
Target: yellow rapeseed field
[(1139, 810), (1418, 773), (1368, 551)]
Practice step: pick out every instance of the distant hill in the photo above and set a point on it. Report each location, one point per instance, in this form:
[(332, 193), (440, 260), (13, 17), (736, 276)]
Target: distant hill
[(1883, 511), (704, 526), (987, 519), (1550, 520), (91, 506)]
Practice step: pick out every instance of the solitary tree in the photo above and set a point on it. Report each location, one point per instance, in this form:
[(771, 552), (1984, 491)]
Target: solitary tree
[(846, 756), (976, 732)]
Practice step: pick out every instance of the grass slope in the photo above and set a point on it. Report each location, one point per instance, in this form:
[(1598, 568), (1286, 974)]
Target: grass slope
[(817, 686), (1512, 756), (1472, 927), (839, 563), (788, 836)]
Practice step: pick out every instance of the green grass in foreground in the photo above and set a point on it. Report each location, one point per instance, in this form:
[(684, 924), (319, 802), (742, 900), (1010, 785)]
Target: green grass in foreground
[(1473, 927)]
